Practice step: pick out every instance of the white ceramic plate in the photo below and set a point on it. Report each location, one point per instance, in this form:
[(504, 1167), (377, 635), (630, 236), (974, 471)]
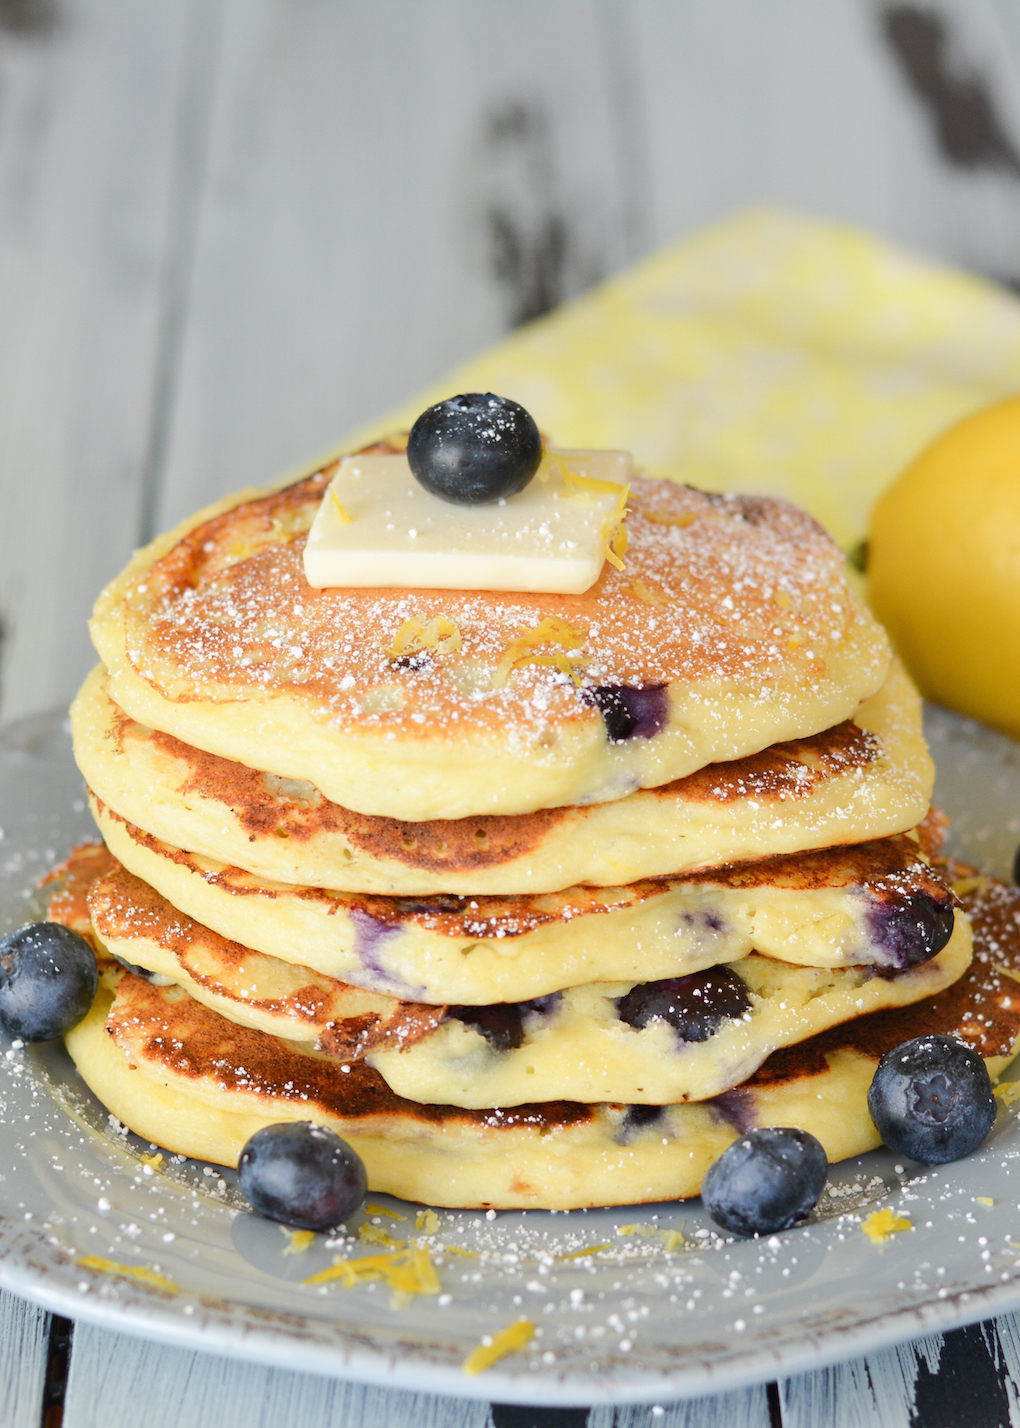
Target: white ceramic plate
[(634, 1322)]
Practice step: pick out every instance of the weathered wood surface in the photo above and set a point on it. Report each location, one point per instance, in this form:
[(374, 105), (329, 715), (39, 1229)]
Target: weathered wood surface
[(24, 1335), (232, 229)]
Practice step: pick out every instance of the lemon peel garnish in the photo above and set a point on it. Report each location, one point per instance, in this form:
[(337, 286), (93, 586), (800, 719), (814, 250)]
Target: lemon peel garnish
[(132, 1271), (584, 1253), (153, 1161), (410, 1271), (979, 884), (299, 1240), (647, 595), (382, 1210), (881, 1225), (427, 1220), (550, 631), (497, 1346), (983, 1200), (659, 518), (440, 635), (672, 1239), (1008, 1092), (614, 532), (373, 1235), (347, 519), (1006, 971)]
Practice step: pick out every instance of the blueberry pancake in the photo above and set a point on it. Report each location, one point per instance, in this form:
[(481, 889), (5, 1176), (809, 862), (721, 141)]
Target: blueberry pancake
[(676, 1039), (872, 904), (865, 778), (731, 628), (195, 1083)]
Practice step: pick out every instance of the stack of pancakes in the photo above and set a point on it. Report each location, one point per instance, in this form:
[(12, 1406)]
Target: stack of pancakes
[(524, 895)]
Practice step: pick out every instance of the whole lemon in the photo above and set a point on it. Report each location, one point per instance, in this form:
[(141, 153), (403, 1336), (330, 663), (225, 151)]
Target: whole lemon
[(944, 566)]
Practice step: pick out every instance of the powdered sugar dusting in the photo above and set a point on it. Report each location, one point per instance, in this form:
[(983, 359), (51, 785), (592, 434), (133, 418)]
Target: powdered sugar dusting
[(752, 596)]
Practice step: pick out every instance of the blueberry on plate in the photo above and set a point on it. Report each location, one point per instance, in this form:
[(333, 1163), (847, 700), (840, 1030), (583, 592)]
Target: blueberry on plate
[(766, 1181), (474, 449), (302, 1175), (931, 1099), (48, 978)]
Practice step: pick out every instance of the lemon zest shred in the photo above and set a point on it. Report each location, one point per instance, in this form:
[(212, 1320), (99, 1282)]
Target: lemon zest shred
[(614, 532), (584, 1253), (983, 1200), (440, 635), (1009, 972), (672, 1239), (344, 516), (133, 1271), (660, 518), (577, 485), (456, 1249), (497, 1346), (154, 1162), (408, 1272), (1008, 1092), (298, 1240), (881, 1225), (382, 1210), (550, 631), (373, 1235), (978, 883), (427, 1220), (646, 594)]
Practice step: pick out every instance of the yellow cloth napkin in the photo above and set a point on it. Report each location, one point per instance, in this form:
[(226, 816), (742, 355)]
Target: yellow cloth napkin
[(770, 352)]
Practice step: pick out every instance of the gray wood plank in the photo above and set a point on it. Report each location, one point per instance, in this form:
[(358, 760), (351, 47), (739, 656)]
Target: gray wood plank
[(966, 1376), (746, 1408), (1005, 1334), (24, 1331), (88, 113), (877, 1392), (807, 106), (389, 187), (113, 1378)]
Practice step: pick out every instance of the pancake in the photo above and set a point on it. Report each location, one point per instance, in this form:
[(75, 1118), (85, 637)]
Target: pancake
[(580, 1044), (732, 628), (846, 906), (187, 1079), (573, 1045), (864, 779)]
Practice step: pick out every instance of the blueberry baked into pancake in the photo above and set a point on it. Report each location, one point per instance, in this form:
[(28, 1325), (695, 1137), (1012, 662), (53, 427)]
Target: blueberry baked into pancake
[(491, 825)]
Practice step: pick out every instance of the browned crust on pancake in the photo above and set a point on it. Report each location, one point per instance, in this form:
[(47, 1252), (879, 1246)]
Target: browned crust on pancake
[(98, 893), (177, 1032), (795, 769), (173, 1030), (971, 1008), (72, 882), (931, 832), (883, 869)]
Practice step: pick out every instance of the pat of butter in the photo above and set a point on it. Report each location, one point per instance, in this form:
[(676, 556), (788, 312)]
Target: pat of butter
[(377, 527)]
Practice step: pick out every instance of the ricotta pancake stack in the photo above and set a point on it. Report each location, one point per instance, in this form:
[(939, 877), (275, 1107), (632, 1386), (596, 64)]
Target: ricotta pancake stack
[(523, 894)]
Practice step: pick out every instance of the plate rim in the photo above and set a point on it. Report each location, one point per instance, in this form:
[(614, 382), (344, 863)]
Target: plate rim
[(203, 1330)]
